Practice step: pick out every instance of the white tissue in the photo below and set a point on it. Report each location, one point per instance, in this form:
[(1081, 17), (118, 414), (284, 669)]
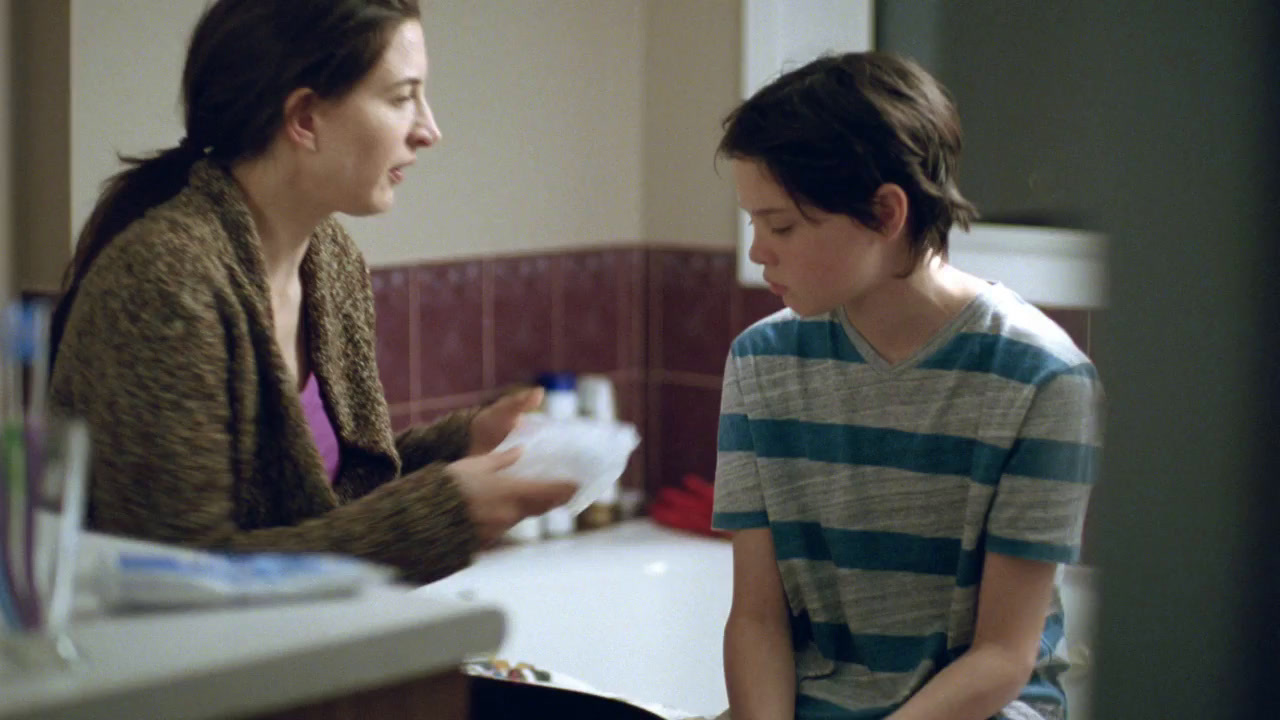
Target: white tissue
[(592, 453)]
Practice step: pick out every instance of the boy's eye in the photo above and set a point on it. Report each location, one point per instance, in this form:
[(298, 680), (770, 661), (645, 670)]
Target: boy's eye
[(782, 230)]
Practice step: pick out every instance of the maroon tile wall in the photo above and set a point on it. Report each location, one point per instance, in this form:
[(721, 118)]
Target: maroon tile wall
[(690, 299), (446, 336), (1078, 324), (656, 320), (393, 302)]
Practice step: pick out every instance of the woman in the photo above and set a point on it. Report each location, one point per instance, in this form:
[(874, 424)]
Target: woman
[(217, 328)]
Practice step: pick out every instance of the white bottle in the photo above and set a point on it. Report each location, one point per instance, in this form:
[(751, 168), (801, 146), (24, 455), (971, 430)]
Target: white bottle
[(596, 398), (558, 522), (561, 403), (527, 530)]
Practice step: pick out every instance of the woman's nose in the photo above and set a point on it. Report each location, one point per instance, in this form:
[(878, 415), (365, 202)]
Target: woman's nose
[(425, 133)]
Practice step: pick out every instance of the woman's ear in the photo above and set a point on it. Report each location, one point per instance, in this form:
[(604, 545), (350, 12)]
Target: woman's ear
[(300, 118), (891, 207)]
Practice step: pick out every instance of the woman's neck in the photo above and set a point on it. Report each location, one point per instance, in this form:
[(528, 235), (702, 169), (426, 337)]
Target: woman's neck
[(284, 223)]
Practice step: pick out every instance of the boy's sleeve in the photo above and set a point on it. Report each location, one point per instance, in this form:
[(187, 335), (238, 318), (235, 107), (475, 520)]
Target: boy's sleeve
[(1040, 500), (739, 503)]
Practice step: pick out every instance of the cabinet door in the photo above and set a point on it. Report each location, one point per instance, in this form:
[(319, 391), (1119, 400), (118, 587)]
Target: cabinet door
[(440, 697)]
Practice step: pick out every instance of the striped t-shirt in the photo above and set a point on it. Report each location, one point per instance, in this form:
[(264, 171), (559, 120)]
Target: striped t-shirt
[(885, 485)]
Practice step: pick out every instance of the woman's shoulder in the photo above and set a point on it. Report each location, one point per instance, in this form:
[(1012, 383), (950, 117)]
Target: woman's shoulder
[(337, 257), (171, 246), (337, 243)]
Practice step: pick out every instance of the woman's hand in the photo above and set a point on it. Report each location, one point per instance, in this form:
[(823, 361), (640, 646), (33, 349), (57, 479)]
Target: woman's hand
[(491, 425), (496, 501)]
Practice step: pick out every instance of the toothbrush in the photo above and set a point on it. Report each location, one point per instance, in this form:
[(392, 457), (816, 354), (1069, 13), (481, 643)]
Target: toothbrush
[(13, 445), (36, 352), (76, 469), (8, 610), (12, 457)]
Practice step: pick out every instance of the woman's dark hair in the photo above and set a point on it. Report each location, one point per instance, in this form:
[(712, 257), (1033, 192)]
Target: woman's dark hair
[(244, 60), (833, 131)]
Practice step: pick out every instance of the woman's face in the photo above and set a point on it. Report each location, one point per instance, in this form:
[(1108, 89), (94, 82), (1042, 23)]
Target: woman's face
[(367, 140)]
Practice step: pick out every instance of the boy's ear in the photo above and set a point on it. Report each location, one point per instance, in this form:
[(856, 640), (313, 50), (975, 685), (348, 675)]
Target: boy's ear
[(300, 118), (891, 208)]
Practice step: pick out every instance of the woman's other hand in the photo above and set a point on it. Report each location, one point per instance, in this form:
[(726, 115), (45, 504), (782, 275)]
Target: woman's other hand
[(491, 425), (496, 501)]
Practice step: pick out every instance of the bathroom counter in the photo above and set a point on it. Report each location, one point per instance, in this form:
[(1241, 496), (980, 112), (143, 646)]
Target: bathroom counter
[(257, 661), (635, 610)]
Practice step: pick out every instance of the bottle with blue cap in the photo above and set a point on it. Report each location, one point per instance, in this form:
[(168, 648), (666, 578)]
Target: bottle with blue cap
[(561, 399)]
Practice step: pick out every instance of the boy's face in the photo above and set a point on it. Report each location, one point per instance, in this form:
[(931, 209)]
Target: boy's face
[(815, 264)]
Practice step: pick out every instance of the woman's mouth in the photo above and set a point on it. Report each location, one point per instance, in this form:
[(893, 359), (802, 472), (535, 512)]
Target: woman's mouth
[(397, 175)]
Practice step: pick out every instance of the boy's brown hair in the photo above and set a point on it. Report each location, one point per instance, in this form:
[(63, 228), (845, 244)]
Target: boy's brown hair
[(835, 130)]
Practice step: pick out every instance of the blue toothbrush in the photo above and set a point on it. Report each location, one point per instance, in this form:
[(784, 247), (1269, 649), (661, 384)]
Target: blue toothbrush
[(22, 337), (36, 325), (12, 465)]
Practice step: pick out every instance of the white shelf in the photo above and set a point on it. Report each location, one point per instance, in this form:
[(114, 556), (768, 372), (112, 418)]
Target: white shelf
[(1052, 267), (1047, 266)]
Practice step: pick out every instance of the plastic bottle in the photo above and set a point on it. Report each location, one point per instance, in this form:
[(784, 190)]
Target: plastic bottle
[(560, 402), (561, 399)]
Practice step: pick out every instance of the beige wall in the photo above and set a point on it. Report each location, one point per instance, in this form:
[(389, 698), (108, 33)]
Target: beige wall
[(540, 103), (126, 71), (692, 53), (566, 122)]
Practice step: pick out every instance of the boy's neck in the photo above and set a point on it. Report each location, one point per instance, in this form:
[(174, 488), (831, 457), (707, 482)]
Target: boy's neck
[(903, 314)]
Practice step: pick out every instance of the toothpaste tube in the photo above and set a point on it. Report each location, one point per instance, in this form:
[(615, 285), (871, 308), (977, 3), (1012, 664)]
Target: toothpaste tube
[(156, 579)]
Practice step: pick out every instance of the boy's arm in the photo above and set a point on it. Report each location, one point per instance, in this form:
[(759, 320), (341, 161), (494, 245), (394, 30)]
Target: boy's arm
[(1035, 523), (758, 662), (1013, 601)]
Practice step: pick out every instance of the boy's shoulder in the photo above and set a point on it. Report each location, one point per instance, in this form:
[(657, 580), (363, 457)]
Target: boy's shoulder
[(781, 333), (1010, 319)]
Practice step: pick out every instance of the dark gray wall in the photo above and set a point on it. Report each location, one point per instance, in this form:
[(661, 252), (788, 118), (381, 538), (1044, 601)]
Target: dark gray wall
[(1016, 70), (1155, 123)]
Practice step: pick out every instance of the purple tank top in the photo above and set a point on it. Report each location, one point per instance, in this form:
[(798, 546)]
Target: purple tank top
[(321, 427)]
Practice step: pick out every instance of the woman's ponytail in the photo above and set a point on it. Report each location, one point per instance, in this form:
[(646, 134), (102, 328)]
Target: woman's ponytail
[(126, 196)]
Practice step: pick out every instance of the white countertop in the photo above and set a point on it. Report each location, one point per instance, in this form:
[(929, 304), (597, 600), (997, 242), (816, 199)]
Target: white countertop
[(634, 610), (250, 660)]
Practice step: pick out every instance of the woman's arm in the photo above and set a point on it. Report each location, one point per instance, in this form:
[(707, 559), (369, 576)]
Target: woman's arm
[(446, 439), (146, 361), (759, 664), (1013, 601), (473, 431), (1034, 523)]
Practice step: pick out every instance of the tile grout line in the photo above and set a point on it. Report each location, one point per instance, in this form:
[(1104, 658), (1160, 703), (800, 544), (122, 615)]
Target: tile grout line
[(653, 404), (624, 309), (415, 352), (558, 324), (488, 360)]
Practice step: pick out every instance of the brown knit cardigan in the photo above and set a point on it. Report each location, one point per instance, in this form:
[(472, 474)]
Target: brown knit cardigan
[(199, 437)]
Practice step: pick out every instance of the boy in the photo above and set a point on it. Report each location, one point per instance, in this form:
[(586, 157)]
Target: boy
[(905, 451)]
